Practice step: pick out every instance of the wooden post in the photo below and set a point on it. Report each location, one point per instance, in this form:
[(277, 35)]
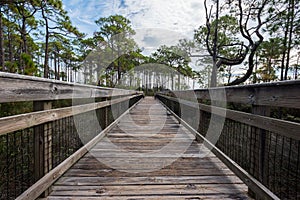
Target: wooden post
[(171, 104), (42, 144), (201, 117), (263, 111), (178, 109), (104, 116), (117, 110), (48, 142)]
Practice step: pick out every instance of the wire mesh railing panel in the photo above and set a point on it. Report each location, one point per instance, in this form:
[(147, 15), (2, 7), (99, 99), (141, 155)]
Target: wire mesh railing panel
[(65, 140), (281, 172), (27, 155), (271, 158), (39, 127), (16, 163)]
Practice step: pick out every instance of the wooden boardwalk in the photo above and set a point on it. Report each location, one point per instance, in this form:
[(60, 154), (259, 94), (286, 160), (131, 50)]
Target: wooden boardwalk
[(149, 155)]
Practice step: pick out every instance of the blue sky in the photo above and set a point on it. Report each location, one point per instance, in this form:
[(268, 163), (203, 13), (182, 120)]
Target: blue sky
[(156, 22)]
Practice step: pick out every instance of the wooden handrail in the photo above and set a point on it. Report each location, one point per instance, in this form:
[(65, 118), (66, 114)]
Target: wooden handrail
[(45, 182), (43, 124), (23, 121), (278, 94), (17, 88), (282, 127), (255, 146), (262, 191)]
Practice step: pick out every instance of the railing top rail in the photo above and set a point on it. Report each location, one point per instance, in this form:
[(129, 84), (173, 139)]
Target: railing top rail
[(257, 85), (16, 88), (39, 79), (277, 94)]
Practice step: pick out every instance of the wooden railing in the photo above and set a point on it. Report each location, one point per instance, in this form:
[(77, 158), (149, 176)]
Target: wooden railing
[(38, 146), (260, 137)]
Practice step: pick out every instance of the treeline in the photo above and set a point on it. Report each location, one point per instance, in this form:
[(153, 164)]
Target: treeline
[(37, 38), (33, 33), (262, 36), (242, 41)]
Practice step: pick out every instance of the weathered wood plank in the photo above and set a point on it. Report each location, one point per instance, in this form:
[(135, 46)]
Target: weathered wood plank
[(260, 190), (145, 165), (156, 180), (19, 122), (44, 183), (131, 190), (141, 172), (192, 149), (207, 159), (156, 197), (140, 165), (278, 94), (16, 88), (147, 135), (130, 166)]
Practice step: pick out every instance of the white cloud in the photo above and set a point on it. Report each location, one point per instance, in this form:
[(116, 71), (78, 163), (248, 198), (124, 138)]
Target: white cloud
[(181, 15), (83, 13), (149, 39), (163, 22), (156, 22)]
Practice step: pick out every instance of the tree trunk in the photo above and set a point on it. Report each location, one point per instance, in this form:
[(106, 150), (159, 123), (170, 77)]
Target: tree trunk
[(71, 72), (285, 46), (55, 67), (58, 67), (213, 81), (90, 73), (172, 79), (296, 67), (290, 35), (119, 66), (24, 35), (10, 48), (2, 67), (269, 70), (179, 81), (250, 66), (46, 57), (255, 71), (229, 74), (46, 65), (21, 68)]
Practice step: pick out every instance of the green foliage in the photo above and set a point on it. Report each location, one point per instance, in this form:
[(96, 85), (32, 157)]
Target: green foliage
[(114, 25), (24, 24), (173, 57), (9, 109), (176, 59), (113, 49), (29, 66), (269, 57), (203, 76), (11, 67), (228, 30)]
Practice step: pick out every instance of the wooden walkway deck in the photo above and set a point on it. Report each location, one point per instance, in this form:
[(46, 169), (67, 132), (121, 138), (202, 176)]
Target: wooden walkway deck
[(149, 155)]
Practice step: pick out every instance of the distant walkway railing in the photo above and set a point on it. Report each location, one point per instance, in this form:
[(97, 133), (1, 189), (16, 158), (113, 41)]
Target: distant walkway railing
[(260, 139), (60, 118)]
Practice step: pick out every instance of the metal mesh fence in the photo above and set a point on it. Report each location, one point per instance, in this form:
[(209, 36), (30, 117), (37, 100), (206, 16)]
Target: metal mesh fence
[(270, 157), (26, 155)]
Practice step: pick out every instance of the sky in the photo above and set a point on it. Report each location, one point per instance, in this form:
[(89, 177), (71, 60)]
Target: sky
[(156, 22)]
